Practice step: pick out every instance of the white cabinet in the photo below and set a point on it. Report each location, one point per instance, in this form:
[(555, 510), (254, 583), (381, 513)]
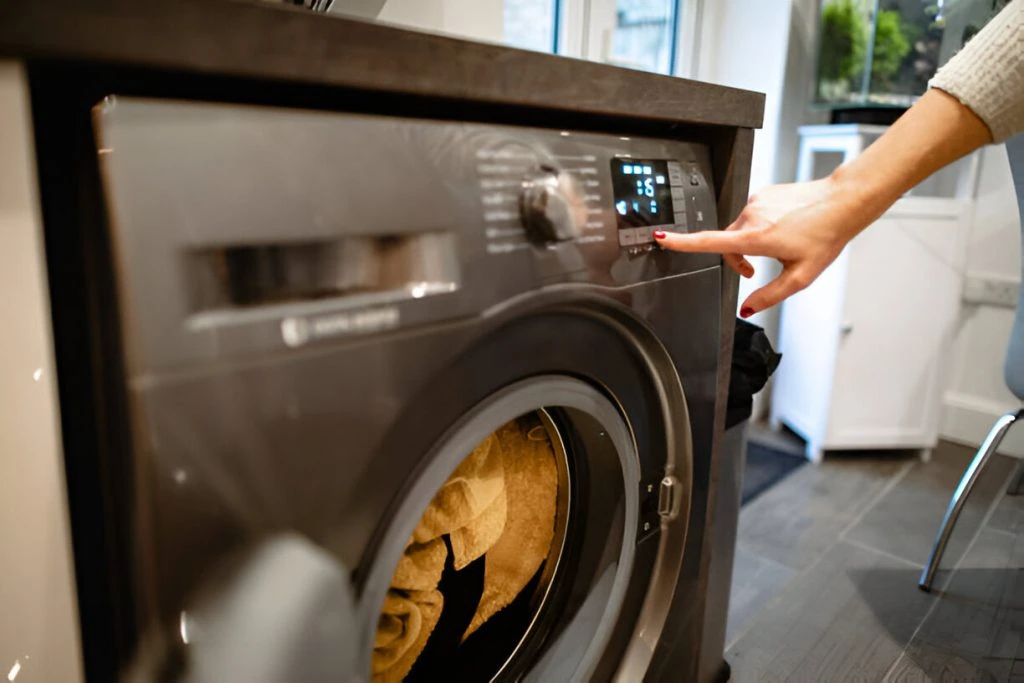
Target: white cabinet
[(865, 346)]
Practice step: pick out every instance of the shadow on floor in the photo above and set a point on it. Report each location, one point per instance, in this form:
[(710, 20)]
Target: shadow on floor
[(765, 467), (973, 631)]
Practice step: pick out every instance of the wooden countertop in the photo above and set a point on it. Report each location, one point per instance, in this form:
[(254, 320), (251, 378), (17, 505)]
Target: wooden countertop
[(258, 40)]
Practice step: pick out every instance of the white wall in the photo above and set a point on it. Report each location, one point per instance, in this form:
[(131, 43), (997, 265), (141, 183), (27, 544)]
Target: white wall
[(975, 392), (768, 46), (38, 604), (474, 19)]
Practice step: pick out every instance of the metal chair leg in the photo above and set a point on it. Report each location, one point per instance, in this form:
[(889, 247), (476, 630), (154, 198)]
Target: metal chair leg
[(1018, 478), (963, 489)]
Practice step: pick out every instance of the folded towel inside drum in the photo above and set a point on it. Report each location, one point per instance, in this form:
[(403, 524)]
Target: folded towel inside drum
[(403, 629), (500, 504), (531, 489)]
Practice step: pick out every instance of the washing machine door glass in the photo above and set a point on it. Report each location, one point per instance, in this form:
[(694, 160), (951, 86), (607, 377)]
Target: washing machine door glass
[(511, 553)]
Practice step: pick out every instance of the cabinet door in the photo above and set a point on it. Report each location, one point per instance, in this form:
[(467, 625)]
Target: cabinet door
[(808, 339), (900, 307)]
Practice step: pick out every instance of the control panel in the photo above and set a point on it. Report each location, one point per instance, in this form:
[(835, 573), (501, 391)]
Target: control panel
[(544, 188), (244, 228)]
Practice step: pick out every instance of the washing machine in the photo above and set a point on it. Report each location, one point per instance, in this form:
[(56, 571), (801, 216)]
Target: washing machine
[(358, 389)]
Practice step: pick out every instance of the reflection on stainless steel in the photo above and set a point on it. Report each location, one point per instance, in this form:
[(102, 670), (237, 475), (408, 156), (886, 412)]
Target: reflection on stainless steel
[(277, 611), (183, 627)]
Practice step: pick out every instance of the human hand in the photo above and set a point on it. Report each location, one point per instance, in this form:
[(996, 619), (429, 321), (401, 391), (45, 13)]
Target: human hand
[(803, 225)]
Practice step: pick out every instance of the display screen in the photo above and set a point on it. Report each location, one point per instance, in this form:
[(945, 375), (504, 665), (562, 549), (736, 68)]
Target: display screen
[(643, 195)]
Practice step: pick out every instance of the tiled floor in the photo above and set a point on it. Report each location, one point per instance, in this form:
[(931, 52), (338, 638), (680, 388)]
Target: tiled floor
[(825, 581)]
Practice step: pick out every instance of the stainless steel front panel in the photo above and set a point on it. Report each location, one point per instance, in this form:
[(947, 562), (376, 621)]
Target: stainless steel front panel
[(312, 302)]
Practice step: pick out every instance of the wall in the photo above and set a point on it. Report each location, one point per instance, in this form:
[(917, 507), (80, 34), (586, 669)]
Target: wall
[(475, 19), (768, 46), (771, 47), (38, 604), (975, 392)]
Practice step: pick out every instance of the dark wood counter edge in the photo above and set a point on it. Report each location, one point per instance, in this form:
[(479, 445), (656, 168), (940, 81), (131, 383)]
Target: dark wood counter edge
[(252, 40)]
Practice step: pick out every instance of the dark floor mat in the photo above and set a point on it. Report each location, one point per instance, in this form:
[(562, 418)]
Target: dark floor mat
[(766, 467)]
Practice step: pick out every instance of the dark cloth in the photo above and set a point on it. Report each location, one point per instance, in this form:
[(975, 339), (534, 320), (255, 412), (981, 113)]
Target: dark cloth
[(753, 362)]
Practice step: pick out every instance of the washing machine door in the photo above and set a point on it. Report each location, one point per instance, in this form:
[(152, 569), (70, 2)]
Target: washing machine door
[(279, 610), (560, 465)]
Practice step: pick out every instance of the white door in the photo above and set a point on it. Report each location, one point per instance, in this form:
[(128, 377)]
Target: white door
[(901, 309)]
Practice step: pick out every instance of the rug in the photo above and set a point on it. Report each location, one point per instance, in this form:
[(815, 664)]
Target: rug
[(766, 467)]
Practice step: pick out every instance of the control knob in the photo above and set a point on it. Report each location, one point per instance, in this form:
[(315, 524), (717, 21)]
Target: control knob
[(551, 206)]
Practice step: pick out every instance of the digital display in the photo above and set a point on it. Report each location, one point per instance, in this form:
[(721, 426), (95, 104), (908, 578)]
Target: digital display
[(643, 195)]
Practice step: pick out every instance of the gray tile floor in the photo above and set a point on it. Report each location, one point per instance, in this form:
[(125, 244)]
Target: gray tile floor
[(825, 581)]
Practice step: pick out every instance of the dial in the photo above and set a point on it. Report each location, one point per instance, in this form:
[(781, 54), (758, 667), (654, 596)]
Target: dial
[(551, 206)]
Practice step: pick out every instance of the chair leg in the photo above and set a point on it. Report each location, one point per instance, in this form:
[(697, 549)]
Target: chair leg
[(963, 489), (1018, 478)]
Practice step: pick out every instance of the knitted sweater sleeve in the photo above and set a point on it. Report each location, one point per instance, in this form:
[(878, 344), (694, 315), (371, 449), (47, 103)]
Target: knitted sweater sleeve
[(987, 75)]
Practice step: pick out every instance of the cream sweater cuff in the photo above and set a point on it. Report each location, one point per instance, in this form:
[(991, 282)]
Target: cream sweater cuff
[(987, 76)]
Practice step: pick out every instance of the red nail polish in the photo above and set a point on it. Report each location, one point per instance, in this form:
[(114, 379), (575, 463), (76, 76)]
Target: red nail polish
[(746, 312), (659, 234)]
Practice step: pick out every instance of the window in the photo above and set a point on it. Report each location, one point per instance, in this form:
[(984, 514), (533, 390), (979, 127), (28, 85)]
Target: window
[(645, 35), (636, 34), (884, 52), (531, 24)]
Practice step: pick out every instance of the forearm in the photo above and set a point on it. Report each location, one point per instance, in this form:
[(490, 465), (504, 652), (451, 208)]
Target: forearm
[(933, 133)]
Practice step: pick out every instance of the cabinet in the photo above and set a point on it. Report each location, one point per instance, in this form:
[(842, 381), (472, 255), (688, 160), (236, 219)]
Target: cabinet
[(865, 346)]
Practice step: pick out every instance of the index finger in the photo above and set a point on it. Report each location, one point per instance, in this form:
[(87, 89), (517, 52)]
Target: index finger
[(711, 241)]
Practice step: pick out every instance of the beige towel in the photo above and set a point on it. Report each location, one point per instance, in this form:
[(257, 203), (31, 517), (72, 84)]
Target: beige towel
[(531, 488), (403, 629), (420, 567), (470, 507)]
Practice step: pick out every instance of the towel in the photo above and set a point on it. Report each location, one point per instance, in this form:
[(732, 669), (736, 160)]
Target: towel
[(404, 626), (470, 508), (531, 489), (499, 503), (471, 505)]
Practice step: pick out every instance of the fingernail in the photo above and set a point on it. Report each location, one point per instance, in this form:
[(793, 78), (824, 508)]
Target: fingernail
[(746, 312), (659, 234)]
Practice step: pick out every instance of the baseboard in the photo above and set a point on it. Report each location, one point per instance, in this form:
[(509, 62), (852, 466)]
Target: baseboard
[(967, 420)]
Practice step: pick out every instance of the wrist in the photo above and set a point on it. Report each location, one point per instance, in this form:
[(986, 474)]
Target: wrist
[(859, 198)]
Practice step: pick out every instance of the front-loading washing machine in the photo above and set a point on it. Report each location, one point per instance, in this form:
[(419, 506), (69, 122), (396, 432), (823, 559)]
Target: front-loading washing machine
[(370, 393), (328, 317)]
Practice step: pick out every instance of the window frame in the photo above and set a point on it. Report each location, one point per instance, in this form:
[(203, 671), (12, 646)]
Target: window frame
[(583, 28)]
